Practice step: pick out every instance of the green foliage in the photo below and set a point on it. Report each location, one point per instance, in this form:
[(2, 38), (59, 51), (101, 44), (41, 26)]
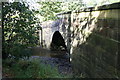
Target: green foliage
[(76, 5), (29, 69), (19, 28), (48, 10)]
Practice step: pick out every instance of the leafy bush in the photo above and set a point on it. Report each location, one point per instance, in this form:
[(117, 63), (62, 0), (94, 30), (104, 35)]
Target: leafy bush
[(19, 28)]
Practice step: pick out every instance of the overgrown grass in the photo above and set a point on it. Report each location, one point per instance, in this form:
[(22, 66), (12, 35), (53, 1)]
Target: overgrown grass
[(29, 69)]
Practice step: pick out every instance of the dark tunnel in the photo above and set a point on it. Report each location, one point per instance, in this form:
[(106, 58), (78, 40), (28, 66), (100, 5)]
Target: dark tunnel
[(58, 43)]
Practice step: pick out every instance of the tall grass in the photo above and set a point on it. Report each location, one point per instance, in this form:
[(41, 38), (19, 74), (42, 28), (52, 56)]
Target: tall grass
[(29, 69)]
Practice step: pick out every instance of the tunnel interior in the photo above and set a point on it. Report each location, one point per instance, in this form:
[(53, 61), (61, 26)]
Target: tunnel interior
[(58, 42)]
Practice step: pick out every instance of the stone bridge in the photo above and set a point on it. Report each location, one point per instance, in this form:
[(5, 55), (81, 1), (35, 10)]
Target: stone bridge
[(92, 38), (49, 28)]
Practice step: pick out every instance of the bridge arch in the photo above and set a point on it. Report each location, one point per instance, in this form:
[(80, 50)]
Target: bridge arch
[(58, 42)]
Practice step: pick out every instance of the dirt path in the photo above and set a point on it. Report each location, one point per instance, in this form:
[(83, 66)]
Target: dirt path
[(63, 64)]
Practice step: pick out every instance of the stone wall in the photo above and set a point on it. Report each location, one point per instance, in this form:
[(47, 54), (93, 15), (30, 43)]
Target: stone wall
[(92, 39), (94, 43), (49, 27)]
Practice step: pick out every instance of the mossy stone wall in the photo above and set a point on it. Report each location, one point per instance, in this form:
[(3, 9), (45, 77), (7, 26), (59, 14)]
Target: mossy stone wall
[(95, 42)]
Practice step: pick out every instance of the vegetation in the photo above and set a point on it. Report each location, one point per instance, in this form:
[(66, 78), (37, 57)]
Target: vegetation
[(19, 29), (48, 10), (29, 69)]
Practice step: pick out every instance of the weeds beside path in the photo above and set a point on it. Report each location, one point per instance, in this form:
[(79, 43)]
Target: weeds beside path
[(36, 67)]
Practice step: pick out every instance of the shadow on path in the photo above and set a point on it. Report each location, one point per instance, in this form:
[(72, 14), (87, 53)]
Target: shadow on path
[(62, 63)]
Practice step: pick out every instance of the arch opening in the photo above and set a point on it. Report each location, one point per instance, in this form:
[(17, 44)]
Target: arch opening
[(58, 43)]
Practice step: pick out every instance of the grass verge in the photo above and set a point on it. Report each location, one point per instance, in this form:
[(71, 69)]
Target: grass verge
[(29, 69)]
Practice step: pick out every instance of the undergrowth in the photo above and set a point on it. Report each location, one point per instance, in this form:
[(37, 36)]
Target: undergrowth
[(29, 69)]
